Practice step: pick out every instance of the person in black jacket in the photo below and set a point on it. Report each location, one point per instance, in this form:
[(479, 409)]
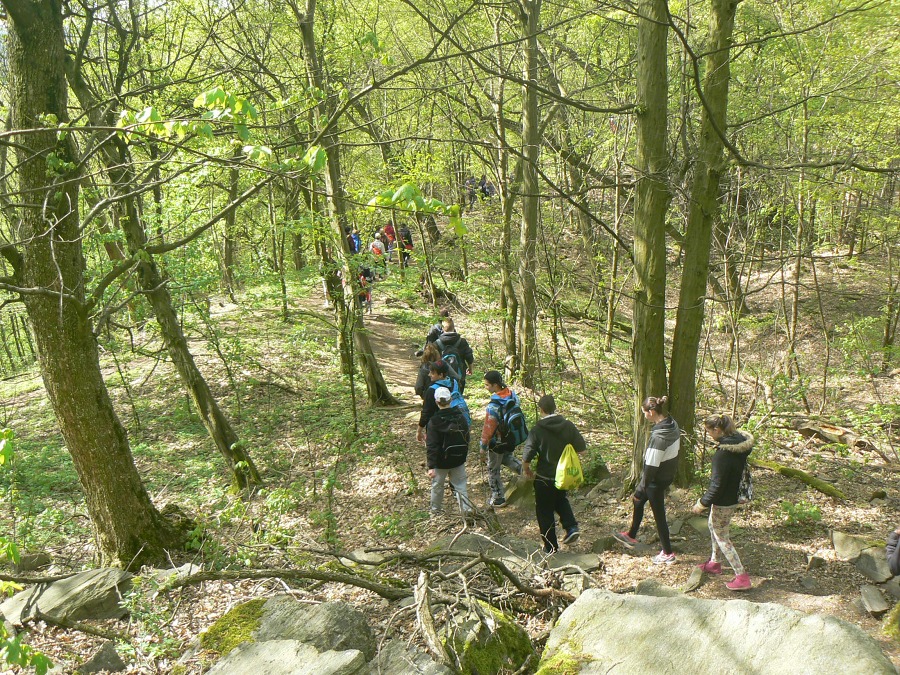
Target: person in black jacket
[(456, 351), (546, 442), (447, 446), (435, 331), (721, 497), (893, 551), (660, 465)]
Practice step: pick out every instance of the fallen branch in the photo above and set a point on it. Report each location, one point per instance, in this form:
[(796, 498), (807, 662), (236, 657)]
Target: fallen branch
[(426, 621), (35, 580), (802, 476), (77, 625)]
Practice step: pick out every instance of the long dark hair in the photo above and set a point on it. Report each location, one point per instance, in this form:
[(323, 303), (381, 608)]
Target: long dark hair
[(655, 403), (721, 422)]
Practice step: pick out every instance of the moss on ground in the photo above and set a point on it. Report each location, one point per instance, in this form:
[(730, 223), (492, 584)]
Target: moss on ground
[(234, 628)]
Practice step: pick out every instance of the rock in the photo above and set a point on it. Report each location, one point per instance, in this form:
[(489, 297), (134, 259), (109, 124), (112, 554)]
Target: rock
[(481, 649), (814, 562), (878, 503), (289, 657), (872, 562), (892, 586), (694, 581), (595, 494), (809, 584), (589, 562), (700, 524), (95, 594), (162, 576), (28, 562), (675, 527), (396, 657), (364, 556), (878, 494), (330, 626), (576, 584), (656, 589), (873, 600), (106, 659), (607, 543), (608, 484), (520, 491), (849, 546), (704, 636)]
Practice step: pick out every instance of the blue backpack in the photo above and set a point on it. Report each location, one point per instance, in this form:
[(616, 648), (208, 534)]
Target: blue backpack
[(451, 356), (513, 426), (456, 399)]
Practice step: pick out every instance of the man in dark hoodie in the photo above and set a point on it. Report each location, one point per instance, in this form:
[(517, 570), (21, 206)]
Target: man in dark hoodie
[(546, 441), (455, 351), (447, 446)]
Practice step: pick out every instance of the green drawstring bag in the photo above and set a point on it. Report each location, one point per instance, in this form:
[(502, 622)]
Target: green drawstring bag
[(568, 472)]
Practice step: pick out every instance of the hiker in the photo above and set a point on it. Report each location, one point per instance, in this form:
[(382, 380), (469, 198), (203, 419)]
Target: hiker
[(660, 464), (455, 350), (440, 377), (893, 551), (356, 247), (351, 242), (366, 278), (436, 330), (376, 248), (406, 244), (546, 441), (390, 236), (721, 497), (498, 442), (469, 186), (447, 446), (429, 355)]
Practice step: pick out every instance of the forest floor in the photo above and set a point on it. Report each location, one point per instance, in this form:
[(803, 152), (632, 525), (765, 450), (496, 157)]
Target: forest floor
[(373, 493)]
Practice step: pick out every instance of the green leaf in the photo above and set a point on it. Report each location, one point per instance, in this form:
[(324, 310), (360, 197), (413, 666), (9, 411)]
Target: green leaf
[(315, 158), (242, 131), (459, 227), (405, 192)]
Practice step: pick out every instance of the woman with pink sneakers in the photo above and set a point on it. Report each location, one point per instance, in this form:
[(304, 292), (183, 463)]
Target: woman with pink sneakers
[(721, 497)]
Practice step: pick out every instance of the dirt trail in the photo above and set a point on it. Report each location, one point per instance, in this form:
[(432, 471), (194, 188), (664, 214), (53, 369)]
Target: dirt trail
[(395, 356)]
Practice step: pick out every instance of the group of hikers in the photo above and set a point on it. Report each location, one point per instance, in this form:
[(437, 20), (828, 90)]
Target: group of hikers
[(385, 240), (445, 427)]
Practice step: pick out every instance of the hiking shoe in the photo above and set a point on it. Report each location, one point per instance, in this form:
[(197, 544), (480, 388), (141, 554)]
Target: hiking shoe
[(711, 567), (571, 536), (625, 539), (419, 352), (664, 558), (740, 583), (498, 502)]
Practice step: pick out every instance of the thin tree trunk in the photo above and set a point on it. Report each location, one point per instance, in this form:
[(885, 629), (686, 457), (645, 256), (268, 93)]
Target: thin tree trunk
[(651, 203), (703, 212)]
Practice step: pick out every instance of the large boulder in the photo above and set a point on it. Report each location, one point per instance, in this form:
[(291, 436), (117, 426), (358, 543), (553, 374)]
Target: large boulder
[(849, 546), (289, 657), (96, 594), (332, 626), (602, 631), (872, 562), (396, 657)]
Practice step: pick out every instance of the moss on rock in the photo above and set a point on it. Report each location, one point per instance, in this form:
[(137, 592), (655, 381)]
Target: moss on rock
[(234, 627), (483, 652), (561, 663), (891, 624)]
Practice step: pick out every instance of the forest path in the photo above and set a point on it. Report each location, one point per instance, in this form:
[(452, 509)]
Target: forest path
[(396, 356)]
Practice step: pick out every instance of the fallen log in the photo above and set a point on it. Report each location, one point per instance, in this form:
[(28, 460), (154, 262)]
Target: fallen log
[(802, 476)]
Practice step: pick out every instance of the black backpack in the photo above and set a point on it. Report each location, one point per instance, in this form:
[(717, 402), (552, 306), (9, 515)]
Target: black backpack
[(513, 426), (455, 448), (451, 356)]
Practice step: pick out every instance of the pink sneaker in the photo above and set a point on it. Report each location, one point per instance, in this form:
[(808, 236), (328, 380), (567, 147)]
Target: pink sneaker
[(711, 567), (625, 539), (740, 583)]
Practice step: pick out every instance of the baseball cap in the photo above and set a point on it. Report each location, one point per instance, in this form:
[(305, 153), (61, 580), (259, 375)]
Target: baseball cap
[(442, 394)]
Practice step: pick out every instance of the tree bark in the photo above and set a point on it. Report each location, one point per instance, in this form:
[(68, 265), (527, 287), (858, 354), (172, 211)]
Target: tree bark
[(702, 214), (129, 528), (651, 203), (531, 205)]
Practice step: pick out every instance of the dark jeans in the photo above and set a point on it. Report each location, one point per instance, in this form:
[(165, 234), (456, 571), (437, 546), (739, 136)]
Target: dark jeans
[(548, 501), (656, 495)]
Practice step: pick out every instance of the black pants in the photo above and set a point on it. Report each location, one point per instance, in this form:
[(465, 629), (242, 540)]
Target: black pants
[(548, 501), (656, 495)]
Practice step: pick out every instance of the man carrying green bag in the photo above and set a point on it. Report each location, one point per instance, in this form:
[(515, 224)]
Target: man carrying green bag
[(546, 442)]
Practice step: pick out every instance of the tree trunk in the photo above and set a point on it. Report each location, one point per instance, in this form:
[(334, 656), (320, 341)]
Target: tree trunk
[(531, 14), (703, 212), (129, 528), (651, 203), (119, 168), (376, 387)]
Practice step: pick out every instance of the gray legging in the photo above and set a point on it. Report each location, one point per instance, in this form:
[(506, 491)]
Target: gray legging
[(655, 493)]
